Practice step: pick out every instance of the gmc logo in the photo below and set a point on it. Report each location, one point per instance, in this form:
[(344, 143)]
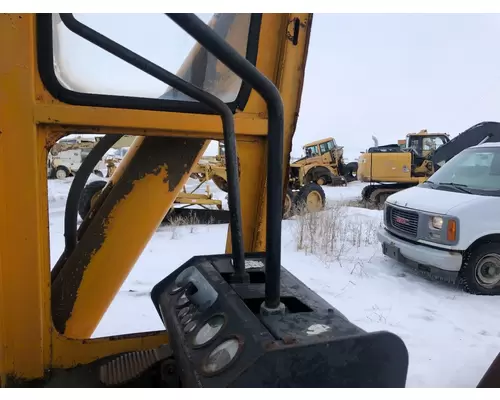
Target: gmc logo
[(401, 220)]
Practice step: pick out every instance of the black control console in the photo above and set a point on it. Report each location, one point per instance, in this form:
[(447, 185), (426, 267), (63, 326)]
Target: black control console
[(220, 335)]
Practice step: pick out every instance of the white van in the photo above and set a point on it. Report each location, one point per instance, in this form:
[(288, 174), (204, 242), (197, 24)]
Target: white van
[(449, 226)]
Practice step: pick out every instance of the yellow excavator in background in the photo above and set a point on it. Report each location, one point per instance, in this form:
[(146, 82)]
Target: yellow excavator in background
[(394, 167), (237, 319), (391, 168)]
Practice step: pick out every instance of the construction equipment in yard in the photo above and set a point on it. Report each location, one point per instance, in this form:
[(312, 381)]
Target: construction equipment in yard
[(299, 197), (199, 207), (195, 208), (390, 170), (203, 172), (212, 170), (237, 319), (67, 155), (323, 164)]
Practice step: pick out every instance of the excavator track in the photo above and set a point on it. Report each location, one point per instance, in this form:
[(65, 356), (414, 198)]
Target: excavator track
[(377, 193)]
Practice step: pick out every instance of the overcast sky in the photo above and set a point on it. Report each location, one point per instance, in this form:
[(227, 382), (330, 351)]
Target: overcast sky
[(367, 74), (392, 74)]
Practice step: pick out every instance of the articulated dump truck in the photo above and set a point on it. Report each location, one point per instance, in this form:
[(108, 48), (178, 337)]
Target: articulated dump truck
[(236, 319)]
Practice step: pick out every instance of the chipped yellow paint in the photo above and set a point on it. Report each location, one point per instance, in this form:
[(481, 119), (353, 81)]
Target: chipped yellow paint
[(33, 119)]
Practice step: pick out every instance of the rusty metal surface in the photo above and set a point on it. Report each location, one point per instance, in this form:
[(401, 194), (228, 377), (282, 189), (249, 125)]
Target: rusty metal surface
[(154, 156)]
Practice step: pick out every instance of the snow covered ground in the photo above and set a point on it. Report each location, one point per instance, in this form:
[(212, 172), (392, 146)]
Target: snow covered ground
[(452, 337)]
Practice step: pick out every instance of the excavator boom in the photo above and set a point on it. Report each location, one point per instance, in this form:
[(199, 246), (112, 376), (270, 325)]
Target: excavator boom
[(480, 133)]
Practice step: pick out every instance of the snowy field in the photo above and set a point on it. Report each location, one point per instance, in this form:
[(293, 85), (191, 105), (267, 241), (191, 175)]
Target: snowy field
[(452, 337)]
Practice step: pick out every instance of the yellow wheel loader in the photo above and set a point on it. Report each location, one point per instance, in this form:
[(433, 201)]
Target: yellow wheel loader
[(237, 319)]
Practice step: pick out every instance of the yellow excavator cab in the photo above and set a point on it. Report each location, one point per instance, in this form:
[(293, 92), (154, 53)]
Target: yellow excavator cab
[(237, 319)]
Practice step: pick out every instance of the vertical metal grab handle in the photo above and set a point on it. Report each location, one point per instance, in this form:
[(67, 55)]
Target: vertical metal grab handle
[(216, 45)]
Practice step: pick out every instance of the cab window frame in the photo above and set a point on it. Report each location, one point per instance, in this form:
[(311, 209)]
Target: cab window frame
[(330, 145), (45, 55), (313, 154)]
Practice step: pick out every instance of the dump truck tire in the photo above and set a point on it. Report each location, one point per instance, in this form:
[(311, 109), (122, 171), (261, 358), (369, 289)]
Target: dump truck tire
[(319, 174), (88, 193), (351, 171), (322, 180), (481, 269), (310, 197), (288, 204)]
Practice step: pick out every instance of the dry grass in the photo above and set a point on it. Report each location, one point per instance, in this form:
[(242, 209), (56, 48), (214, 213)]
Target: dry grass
[(333, 235), (176, 221)]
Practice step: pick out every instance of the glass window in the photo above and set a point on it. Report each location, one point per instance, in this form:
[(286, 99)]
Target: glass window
[(312, 151), (478, 169), (327, 147), (414, 143), (432, 143), (83, 67)]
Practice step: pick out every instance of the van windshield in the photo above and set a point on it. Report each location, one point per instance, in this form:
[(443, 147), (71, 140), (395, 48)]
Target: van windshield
[(474, 171)]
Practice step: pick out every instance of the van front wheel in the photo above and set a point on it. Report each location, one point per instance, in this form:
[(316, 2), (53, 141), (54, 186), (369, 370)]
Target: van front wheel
[(481, 270)]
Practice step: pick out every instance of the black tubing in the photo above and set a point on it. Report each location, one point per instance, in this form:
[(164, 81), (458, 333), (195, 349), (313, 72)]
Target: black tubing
[(75, 191), (216, 45)]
